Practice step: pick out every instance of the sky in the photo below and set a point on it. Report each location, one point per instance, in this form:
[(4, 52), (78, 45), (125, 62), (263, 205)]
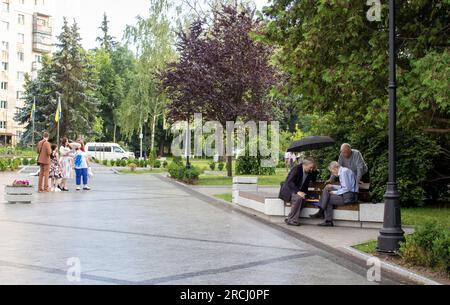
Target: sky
[(89, 14)]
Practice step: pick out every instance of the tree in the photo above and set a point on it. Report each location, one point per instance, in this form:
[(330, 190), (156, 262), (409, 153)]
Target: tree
[(71, 75), (224, 72), (106, 41), (153, 39), (337, 61)]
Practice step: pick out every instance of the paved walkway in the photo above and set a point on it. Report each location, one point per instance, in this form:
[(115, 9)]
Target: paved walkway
[(140, 229)]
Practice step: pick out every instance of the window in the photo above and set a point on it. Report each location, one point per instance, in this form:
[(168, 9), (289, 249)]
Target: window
[(20, 76), (5, 46), (3, 104), (108, 149), (21, 19), (20, 56), (21, 38), (118, 150), (4, 66), (5, 26), (19, 95), (38, 58), (3, 86), (2, 125), (5, 6)]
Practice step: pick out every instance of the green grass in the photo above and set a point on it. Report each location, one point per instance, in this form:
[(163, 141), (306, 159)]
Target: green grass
[(226, 197), (141, 171), (370, 247), (414, 217), (222, 180), (418, 216)]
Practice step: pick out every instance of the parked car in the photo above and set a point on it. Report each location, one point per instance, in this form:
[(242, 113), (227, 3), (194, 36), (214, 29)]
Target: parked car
[(108, 151)]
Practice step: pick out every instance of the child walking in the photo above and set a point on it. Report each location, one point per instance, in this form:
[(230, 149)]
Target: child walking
[(81, 163), (55, 169)]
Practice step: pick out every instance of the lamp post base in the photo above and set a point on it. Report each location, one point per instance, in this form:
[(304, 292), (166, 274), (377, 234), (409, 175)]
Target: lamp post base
[(392, 233)]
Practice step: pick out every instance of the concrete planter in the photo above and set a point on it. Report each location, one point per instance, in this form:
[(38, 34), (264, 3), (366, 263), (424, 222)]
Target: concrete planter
[(19, 194)]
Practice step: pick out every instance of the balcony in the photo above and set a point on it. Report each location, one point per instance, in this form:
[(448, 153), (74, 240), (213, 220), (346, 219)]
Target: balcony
[(42, 24)]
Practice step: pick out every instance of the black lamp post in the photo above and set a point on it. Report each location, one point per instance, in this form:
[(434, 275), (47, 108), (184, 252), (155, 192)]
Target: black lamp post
[(392, 234)]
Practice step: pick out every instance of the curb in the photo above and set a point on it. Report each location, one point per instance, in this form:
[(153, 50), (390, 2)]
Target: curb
[(389, 268), (401, 275)]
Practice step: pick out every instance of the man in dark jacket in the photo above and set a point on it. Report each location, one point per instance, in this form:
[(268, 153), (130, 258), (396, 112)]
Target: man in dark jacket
[(295, 189)]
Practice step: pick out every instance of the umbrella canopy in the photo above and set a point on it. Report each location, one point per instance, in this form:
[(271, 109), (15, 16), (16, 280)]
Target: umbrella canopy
[(311, 143)]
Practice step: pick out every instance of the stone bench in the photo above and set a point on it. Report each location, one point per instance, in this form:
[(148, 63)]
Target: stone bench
[(247, 195)]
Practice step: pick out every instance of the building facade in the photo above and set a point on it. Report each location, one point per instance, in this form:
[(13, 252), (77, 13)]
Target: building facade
[(25, 36)]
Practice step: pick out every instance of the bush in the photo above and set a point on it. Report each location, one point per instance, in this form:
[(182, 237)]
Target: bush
[(124, 163), (181, 173), (105, 162), (132, 167), (33, 161), (165, 164), (212, 166), (246, 165), (428, 247), (26, 162), (3, 165), (178, 160), (221, 166), (157, 164), (118, 162), (113, 163), (152, 156)]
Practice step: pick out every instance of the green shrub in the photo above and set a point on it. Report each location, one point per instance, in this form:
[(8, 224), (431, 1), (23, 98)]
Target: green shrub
[(3, 165), (113, 163), (428, 247), (118, 162), (105, 162), (26, 162), (178, 160), (124, 163), (165, 164), (181, 173), (33, 161), (246, 165), (152, 157), (221, 166), (157, 164), (212, 165)]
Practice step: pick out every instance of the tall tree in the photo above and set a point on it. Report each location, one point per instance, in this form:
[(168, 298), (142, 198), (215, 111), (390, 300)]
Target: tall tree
[(106, 41), (224, 72), (153, 39), (337, 61), (70, 74)]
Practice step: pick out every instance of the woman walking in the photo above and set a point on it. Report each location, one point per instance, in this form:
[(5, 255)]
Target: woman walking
[(81, 168), (55, 169), (66, 155)]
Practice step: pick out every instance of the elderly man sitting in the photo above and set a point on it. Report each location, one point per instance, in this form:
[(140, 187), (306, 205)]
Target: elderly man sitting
[(337, 195)]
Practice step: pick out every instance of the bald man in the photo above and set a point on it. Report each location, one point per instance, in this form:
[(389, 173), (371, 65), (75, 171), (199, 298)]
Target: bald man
[(353, 159)]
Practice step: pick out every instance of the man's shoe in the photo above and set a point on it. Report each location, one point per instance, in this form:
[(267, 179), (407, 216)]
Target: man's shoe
[(292, 224), (78, 189), (319, 215), (327, 224), (87, 188)]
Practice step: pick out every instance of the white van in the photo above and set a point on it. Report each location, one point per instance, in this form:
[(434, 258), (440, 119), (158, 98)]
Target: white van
[(108, 151)]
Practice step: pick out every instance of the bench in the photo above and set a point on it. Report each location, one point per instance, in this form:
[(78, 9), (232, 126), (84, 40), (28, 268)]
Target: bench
[(247, 195)]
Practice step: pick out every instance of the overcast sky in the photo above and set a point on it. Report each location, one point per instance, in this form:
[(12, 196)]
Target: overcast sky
[(89, 15)]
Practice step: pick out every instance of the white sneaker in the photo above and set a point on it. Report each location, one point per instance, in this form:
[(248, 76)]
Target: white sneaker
[(78, 188), (87, 188)]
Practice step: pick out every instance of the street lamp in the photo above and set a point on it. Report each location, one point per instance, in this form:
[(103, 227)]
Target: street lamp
[(392, 234)]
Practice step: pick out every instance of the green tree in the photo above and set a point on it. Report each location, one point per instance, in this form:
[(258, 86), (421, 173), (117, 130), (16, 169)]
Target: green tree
[(70, 74), (337, 61), (146, 102)]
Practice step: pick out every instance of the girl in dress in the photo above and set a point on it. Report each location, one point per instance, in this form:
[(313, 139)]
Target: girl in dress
[(66, 154), (55, 169)]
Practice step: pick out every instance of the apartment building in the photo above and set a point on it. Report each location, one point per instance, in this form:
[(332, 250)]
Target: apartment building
[(25, 35)]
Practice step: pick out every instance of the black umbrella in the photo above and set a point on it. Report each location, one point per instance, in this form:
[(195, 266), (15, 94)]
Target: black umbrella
[(311, 143)]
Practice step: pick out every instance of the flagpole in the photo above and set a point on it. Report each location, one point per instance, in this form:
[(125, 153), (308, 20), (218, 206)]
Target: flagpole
[(59, 104), (33, 114)]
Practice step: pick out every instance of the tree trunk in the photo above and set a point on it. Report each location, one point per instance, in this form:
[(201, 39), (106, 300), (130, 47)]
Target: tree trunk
[(230, 166), (153, 132)]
